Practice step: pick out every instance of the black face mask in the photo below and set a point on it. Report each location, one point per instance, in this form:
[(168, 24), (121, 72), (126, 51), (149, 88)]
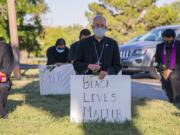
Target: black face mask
[(169, 44)]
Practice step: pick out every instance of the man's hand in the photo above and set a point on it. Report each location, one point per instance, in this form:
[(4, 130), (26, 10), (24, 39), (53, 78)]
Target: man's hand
[(94, 67), (102, 75), (166, 73)]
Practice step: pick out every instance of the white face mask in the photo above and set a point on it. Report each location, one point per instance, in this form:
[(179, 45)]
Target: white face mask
[(99, 32), (60, 50)]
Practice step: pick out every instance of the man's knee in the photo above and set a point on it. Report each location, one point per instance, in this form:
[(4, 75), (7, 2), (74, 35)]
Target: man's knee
[(3, 96)]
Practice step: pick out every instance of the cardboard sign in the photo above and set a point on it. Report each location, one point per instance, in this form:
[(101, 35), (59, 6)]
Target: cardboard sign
[(94, 100), (55, 80)]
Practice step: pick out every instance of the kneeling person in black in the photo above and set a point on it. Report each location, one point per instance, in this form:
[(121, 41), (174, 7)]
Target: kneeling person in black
[(168, 64), (6, 67), (98, 54), (58, 54)]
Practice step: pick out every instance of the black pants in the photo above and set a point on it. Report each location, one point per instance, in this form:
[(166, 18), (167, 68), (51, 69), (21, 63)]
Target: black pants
[(4, 91), (3, 96), (172, 88)]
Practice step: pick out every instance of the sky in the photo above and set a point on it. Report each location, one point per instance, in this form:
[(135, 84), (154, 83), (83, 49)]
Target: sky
[(69, 12)]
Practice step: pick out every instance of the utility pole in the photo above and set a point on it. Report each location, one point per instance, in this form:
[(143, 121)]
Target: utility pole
[(14, 37)]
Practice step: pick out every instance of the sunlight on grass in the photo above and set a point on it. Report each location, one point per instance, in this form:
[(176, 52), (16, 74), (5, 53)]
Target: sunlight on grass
[(32, 114)]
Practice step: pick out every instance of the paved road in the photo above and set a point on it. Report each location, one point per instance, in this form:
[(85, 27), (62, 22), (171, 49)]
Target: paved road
[(142, 86)]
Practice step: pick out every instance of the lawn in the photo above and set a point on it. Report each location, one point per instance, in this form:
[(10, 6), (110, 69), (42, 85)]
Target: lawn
[(32, 114)]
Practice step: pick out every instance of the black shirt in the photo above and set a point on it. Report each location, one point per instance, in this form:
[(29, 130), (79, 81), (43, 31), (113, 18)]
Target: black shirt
[(6, 59), (55, 57), (158, 55), (107, 47), (168, 56), (73, 51)]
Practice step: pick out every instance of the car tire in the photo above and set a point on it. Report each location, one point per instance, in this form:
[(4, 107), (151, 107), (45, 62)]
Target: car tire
[(153, 71)]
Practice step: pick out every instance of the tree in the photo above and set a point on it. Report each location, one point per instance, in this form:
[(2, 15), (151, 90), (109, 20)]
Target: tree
[(29, 24), (160, 16), (51, 34), (176, 7), (28, 29), (4, 33), (14, 36), (129, 18)]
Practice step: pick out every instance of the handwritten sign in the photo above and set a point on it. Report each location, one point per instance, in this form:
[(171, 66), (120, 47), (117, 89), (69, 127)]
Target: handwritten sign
[(96, 100), (55, 80)]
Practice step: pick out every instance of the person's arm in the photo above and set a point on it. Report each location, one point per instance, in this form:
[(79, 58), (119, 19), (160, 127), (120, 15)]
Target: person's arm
[(158, 62), (177, 64), (67, 55), (157, 54), (79, 65), (7, 61), (165, 73), (50, 57), (116, 66), (71, 54)]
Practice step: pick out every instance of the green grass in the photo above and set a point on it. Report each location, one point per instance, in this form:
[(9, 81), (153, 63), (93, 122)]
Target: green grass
[(32, 114)]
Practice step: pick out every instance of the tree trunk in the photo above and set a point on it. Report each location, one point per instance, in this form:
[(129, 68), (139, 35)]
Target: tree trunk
[(14, 37)]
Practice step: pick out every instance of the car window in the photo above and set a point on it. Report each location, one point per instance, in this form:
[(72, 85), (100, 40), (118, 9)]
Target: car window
[(135, 39), (154, 35)]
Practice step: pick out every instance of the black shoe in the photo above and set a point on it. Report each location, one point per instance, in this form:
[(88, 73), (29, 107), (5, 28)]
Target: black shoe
[(177, 100), (4, 116)]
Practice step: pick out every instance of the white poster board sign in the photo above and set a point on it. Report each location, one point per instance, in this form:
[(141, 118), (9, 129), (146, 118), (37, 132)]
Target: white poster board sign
[(94, 100), (55, 80)]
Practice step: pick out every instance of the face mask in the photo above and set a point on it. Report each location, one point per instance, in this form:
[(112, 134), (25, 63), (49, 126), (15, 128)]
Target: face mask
[(60, 50), (169, 43), (99, 32)]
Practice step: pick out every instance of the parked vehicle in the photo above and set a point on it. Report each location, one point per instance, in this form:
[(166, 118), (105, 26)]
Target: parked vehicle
[(139, 55), (135, 39)]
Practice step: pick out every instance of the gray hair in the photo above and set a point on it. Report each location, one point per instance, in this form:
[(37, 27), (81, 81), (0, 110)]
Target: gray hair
[(99, 17)]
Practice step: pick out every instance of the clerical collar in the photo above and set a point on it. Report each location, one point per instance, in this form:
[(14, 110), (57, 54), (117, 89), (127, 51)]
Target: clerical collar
[(99, 40)]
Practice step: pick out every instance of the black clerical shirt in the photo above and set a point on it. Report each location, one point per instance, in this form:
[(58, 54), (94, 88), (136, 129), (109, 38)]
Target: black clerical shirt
[(158, 55), (104, 52), (73, 51), (168, 56), (6, 59)]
